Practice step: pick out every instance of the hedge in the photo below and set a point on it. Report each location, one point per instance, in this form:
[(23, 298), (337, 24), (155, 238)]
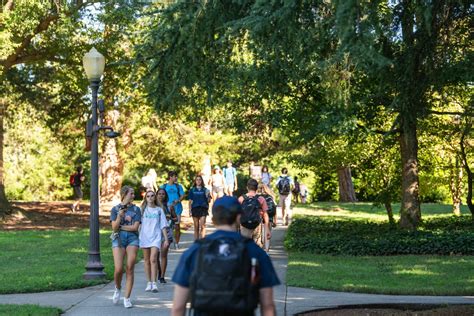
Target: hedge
[(335, 236)]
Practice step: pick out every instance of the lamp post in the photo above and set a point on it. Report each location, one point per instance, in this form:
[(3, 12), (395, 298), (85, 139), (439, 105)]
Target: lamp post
[(94, 64)]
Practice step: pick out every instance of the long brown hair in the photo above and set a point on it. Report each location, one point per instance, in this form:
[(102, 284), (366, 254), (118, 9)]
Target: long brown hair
[(265, 189)]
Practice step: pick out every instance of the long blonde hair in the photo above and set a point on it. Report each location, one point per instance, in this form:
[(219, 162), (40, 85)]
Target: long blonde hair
[(265, 189), (144, 204)]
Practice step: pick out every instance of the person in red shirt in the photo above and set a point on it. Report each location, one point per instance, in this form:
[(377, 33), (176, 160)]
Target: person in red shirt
[(249, 223)]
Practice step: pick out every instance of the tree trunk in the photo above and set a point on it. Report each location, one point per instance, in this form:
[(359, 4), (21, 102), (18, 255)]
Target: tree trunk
[(111, 165), (410, 213), (346, 187), (388, 208), (455, 186), (5, 207), (466, 132)]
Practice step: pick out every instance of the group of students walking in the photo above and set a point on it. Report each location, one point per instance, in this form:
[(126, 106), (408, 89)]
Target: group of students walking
[(151, 226)]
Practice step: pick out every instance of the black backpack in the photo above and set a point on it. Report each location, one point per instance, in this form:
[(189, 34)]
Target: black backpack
[(272, 207), (220, 281), (284, 185), (250, 217)]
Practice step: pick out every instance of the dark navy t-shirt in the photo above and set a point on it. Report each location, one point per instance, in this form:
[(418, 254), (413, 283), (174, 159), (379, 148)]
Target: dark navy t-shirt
[(199, 196), (182, 273)]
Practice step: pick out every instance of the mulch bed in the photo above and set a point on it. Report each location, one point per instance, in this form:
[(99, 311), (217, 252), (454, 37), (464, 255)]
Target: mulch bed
[(396, 310), (56, 216)]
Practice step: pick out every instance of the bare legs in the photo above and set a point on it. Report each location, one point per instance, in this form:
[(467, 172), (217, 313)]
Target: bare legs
[(163, 261), (150, 257), (199, 227), (119, 254)]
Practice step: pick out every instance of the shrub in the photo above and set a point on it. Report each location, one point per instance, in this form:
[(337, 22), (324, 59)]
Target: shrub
[(328, 235)]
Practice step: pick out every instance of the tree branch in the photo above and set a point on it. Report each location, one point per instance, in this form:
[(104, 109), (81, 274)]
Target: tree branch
[(42, 26), (451, 113)]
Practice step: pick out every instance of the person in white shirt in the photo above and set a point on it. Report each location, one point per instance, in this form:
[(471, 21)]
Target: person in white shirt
[(285, 185), (154, 225)]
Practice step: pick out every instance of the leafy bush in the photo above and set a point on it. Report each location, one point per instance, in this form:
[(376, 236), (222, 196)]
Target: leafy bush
[(327, 235)]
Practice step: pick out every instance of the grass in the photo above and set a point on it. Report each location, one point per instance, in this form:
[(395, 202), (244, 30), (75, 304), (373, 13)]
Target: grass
[(27, 310), (408, 274), (366, 210), (38, 261), (415, 275)]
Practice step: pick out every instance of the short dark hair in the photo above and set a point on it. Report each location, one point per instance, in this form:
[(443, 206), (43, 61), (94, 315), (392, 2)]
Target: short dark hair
[(252, 184), (284, 171), (79, 169), (172, 173), (221, 216), (225, 210)]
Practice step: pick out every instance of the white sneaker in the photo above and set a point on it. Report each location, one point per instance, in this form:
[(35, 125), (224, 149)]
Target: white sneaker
[(127, 303), (116, 296), (148, 287), (154, 287)]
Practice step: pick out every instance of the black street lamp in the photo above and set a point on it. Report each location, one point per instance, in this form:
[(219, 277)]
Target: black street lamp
[(94, 64)]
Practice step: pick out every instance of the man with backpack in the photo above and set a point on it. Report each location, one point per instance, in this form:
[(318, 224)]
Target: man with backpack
[(175, 195), (285, 184), (254, 210), (75, 180), (230, 176), (224, 273)]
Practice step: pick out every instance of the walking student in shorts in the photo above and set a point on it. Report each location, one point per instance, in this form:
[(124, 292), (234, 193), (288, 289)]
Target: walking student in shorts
[(199, 198), (175, 194), (285, 184), (254, 211), (153, 226), (171, 218), (125, 218)]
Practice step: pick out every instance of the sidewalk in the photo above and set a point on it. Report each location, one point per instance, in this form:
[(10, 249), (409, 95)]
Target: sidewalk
[(289, 300)]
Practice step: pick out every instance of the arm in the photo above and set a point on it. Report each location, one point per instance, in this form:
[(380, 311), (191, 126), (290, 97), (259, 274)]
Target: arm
[(266, 219), (116, 222), (235, 181), (180, 298), (267, 305), (131, 228)]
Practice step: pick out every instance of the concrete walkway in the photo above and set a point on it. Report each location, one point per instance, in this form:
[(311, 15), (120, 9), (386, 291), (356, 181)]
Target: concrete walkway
[(289, 300)]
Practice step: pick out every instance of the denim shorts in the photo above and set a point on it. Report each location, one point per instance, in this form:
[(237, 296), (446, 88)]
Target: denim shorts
[(125, 239)]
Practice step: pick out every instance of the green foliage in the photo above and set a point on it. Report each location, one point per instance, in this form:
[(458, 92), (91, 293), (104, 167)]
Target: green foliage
[(322, 235), (36, 161)]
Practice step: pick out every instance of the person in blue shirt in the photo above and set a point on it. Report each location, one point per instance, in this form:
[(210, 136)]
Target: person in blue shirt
[(230, 175), (125, 218), (199, 197), (175, 195), (226, 214)]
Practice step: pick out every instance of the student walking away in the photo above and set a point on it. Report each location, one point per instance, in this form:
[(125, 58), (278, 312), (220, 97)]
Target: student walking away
[(269, 196), (175, 195), (199, 197), (125, 218), (161, 199), (230, 175), (266, 176), (296, 190), (149, 182), (218, 183), (212, 268), (254, 210), (284, 184), (153, 226), (76, 180)]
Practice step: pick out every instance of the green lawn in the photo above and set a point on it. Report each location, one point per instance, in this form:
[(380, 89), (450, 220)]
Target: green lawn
[(28, 310), (368, 211), (37, 261), (420, 275), (407, 274)]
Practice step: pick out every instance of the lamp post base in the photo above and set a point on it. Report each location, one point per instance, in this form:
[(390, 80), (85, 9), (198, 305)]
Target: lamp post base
[(94, 270)]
